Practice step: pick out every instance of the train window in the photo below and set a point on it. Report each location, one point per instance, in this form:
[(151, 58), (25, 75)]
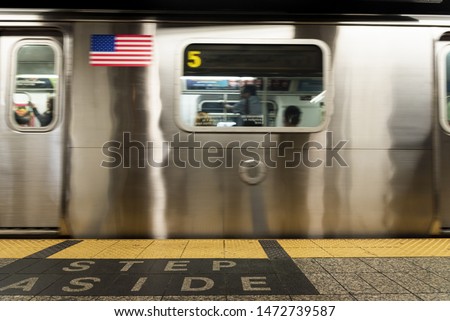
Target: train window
[(35, 81), (246, 86)]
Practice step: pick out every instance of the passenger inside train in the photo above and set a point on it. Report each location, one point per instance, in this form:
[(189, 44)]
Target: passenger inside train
[(249, 107), (292, 116), (23, 114), (26, 111), (46, 117)]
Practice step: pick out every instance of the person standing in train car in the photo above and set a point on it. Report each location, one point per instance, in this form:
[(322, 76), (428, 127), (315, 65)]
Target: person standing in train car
[(292, 116), (249, 104), (46, 117), (23, 116)]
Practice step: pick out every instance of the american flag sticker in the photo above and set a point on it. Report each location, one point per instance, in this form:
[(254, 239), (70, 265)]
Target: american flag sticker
[(121, 50)]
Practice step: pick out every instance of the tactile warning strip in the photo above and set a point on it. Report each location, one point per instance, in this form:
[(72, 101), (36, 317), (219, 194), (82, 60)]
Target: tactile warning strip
[(407, 247), (15, 249), (159, 249), (52, 249), (224, 248)]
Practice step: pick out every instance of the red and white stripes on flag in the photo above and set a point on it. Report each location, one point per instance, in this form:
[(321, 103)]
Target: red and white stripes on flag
[(121, 50)]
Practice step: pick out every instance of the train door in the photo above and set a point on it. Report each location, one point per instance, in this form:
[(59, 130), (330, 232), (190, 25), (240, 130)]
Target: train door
[(31, 131), (443, 132)]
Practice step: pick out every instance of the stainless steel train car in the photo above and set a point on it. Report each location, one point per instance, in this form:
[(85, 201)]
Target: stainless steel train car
[(147, 134)]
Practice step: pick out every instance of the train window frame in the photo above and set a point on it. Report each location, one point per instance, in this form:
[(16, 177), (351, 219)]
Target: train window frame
[(58, 69), (444, 93), (325, 113)]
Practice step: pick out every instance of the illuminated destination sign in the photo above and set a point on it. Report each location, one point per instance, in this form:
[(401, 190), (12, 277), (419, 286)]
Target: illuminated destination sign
[(256, 60)]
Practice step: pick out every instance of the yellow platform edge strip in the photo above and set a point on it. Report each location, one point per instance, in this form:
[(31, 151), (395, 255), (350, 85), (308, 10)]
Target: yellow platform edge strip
[(229, 248), (17, 249)]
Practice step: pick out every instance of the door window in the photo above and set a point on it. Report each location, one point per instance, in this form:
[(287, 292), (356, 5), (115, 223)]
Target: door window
[(36, 78)]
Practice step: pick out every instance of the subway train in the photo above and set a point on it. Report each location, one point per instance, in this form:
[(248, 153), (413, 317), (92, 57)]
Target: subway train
[(133, 123)]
